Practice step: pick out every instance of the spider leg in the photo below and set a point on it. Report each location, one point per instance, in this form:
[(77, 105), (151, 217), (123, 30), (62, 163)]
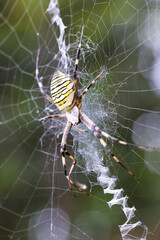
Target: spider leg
[(98, 133), (65, 152), (79, 129), (109, 137), (52, 116), (90, 85), (69, 175), (39, 81), (76, 63)]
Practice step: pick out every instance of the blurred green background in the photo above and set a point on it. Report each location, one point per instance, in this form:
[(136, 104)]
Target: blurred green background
[(35, 200)]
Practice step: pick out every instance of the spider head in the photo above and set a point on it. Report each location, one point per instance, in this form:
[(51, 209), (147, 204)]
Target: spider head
[(73, 115)]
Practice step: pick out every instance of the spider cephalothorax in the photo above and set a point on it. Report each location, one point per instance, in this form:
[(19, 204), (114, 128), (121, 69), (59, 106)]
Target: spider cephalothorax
[(64, 94)]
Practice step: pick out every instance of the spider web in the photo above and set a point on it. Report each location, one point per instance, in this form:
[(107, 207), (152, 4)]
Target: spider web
[(121, 38)]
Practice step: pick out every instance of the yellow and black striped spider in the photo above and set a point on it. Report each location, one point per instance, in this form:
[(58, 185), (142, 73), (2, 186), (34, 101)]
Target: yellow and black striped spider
[(65, 96)]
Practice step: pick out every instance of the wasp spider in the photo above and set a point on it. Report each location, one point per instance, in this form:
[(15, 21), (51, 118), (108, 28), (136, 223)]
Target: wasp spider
[(64, 94)]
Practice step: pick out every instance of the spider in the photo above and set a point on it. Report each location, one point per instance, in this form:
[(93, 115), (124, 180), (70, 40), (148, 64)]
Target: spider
[(64, 94)]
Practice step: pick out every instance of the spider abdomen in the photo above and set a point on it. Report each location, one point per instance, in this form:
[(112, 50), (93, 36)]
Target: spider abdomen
[(62, 91)]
